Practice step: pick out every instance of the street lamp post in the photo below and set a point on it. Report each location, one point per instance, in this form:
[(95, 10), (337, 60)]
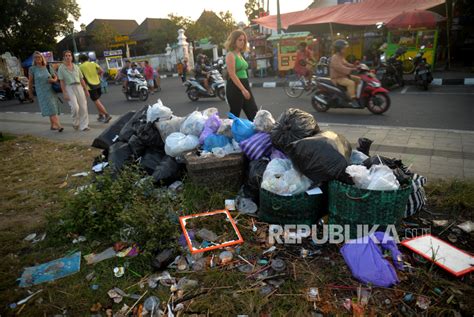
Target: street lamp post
[(71, 26), (278, 17)]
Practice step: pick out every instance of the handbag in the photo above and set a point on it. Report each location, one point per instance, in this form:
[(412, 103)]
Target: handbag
[(56, 86)]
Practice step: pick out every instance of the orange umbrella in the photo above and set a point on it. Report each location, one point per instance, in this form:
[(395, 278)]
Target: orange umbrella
[(415, 19)]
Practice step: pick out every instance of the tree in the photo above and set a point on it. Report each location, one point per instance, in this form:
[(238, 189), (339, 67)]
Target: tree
[(182, 22), (103, 36), (167, 33), (210, 25), (27, 25), (253, 9)]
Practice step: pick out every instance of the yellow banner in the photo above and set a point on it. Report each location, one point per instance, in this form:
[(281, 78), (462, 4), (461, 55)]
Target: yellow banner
[(121, 38)]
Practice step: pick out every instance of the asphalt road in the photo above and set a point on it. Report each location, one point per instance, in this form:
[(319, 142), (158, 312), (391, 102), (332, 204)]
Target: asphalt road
[(442, 107)]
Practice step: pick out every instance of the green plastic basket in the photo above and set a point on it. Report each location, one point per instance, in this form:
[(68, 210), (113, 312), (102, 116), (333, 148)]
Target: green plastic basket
[(349, 205), (297, 209)]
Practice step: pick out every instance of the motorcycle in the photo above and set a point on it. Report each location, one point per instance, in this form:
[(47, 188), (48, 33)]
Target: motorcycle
[(423, 76), (369, 92), (195, 90), (137, 88), (3, 95), (322, 68), (390, 71), (21, 93)]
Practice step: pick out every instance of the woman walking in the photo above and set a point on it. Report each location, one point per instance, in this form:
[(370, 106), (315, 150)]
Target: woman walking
[(74, 91), (239, 95), (43, 76)]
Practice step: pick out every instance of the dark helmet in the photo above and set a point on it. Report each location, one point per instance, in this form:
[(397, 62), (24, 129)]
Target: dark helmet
[(339, 45), (134, 64)]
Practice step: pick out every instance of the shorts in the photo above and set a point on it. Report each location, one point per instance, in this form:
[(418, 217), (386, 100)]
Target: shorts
[(95, 94), (150, 82)]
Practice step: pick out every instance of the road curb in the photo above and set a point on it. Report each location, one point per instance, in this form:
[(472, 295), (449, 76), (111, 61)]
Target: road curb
[(436, 82)]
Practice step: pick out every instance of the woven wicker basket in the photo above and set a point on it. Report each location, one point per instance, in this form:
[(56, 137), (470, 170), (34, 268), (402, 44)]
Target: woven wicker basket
[(297, 209), (214, 172), (349, 205)]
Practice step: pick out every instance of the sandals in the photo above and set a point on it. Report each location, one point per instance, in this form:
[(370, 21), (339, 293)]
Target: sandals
[(60, 129)]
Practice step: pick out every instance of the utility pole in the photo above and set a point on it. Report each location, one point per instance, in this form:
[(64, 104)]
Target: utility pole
[(278, 17)]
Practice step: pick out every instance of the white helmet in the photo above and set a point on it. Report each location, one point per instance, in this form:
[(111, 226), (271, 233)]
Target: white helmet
[(364, 67)]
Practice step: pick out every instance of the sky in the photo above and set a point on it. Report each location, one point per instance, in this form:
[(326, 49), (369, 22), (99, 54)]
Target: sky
[(139, 10)]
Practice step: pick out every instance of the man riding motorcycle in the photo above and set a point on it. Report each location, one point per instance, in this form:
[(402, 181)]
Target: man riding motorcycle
[(200, 71), (340, 71), (132, 73)]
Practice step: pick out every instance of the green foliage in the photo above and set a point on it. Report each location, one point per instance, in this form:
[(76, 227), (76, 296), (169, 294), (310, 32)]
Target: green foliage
[(26, 26), (180, 22), (167, 33), (123, 207), (456, 196), (102, 37), (253, 9), (213, 26)]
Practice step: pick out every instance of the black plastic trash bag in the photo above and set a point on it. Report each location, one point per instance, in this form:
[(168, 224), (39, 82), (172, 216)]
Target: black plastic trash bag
[(167, 170), (105, 139), (323, 157), (150, 136), (137, 146), (119, 154), (293, 125), (150, 160), (364, 145), (132, 126), (254, 179)]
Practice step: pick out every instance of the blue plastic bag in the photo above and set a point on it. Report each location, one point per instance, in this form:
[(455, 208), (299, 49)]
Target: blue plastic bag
[(215, 141), (366, 262), (242, 129)]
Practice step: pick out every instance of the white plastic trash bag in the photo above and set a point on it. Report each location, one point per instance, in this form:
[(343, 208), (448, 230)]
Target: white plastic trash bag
[(378, 177), (357, 157), (158, 111), (264, 121), (282, 179), (194, 124), (166, 127), (209, 112), (178, 143), (226, 128)]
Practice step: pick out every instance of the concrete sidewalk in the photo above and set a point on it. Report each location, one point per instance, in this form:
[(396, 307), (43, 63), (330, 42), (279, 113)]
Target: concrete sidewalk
[(432, 153)]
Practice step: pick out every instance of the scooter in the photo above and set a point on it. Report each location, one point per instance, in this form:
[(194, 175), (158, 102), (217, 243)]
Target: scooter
[(390, 71), (423, 76), (195, 90), (21, 93), (322, 68), (137, 88), (3, 95), (370, 94)]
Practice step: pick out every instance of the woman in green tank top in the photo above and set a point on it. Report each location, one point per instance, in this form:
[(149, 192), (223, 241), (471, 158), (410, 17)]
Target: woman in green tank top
[(238, 93)]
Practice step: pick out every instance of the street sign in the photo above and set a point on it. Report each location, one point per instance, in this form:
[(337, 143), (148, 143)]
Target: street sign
[(113, 53), (121, 38)]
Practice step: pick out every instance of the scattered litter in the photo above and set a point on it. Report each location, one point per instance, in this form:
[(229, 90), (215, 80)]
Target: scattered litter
[(278, 265), (225, 257), (30, 237), (152, 304), (408, 298), (116, 294), (25, 300), (100, 167), (467, 226), (119, 271), (163, 259), (177, 185), (269, 250), (81, 174), (229, 204), (184, 219), (246, 205), (79, 239), (423, 302), (440, 223), (104, 255), (443, 254), (39, 239), (51, 271), (312, 294), (94, 287)]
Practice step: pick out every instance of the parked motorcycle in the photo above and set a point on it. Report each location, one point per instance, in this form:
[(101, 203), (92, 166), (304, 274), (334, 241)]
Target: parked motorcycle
[(3, 95), (370, 94), (195, 90), (423, 75), (390, 71), (21, 92), (137, 88)]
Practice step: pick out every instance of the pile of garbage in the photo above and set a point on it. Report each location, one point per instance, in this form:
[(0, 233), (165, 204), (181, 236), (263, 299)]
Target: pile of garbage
[(291, 158)]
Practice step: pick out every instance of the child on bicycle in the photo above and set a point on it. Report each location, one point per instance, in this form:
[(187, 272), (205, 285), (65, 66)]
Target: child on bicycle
[(303, 56)]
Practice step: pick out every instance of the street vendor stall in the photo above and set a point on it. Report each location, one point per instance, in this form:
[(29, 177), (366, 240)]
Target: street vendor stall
[(287, 46), (114, 62), (262, 53)]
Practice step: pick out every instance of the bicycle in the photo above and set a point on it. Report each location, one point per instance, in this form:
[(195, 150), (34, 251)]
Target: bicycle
[(295, 88)]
